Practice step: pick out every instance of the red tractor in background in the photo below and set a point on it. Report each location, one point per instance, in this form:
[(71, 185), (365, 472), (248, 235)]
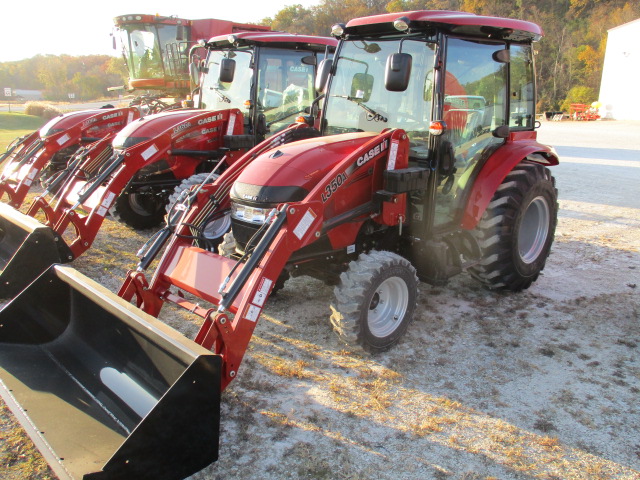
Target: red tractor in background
[(133, 174), (422, 163)]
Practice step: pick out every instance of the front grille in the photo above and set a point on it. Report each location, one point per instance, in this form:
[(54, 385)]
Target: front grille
[(243, 232)]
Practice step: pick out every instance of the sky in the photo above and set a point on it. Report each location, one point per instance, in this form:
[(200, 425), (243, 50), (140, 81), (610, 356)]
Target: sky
[(76, 27)]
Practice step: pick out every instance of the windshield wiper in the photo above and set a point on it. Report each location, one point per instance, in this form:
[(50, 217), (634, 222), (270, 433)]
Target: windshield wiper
[(282, 117), (372, 114), (222, 96)]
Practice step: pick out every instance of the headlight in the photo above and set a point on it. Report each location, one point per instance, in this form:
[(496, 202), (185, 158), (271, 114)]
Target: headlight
[(248, 214)]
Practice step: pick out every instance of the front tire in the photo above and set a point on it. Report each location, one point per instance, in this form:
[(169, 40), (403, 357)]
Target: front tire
[(516, 231), (139, 210), (375, 301)]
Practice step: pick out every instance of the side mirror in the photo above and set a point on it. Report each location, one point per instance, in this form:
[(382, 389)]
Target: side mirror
[(309, 60), (322, 75), (501, 132), (194, 74), (501, 56), (398, 72), (227, 70), (361, 87)]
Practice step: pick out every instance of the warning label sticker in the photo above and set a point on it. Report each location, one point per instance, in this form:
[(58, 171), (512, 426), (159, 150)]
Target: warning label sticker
[(106, 203), (304, 224), (263, 291), (63, 138), (149, 151), (253, 313), (393, 154)]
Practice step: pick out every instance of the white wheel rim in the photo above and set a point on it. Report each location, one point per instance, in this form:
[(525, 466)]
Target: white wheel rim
[(388, 307), (217, 228), (534, 230)]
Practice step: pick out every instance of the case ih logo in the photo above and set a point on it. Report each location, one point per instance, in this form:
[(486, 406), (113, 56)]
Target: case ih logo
[(374, 152), (204, 131), (113, 115), (88, 122), (181, 127), (213, 118)]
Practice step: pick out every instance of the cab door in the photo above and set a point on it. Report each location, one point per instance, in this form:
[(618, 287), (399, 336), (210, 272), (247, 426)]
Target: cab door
[(474, 105)]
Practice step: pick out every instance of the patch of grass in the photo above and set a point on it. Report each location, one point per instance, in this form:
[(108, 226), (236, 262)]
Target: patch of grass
[(18, 457), (13, 125)]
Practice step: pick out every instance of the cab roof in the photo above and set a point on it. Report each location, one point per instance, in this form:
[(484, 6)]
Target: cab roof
[(460, 23), (275, 39)]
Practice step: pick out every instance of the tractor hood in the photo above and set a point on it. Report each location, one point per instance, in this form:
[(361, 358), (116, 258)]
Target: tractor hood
[(153, 125), (67, 120), (90, 121), (290, 171)]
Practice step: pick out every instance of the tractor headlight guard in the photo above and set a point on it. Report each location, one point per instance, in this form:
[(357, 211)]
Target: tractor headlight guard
[(248, 214)]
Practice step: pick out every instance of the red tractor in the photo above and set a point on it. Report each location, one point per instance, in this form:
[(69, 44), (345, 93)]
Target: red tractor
[(133, 174), (423, 163)]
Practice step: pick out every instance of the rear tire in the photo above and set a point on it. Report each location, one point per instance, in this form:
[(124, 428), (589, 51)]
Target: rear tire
[(139, 210), (375, 301), (516, 231)]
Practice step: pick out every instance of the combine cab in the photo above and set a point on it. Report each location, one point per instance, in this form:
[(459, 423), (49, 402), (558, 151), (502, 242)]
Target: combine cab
[(157, 48), (423, 163)]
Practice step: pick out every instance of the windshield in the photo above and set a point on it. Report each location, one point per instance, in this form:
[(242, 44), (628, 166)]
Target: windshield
[(285, 86), (358, 100), (144, 47), (216, 95)]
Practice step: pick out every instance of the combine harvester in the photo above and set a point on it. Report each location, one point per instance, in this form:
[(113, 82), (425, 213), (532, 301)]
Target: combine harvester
[(134, 174), (427, 164)]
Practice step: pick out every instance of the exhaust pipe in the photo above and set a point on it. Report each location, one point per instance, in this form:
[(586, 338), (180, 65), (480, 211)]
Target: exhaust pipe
[(106, 391)]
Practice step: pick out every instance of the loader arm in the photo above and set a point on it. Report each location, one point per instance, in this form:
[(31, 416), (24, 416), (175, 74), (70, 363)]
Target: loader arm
[(211, 198), (97, 195)]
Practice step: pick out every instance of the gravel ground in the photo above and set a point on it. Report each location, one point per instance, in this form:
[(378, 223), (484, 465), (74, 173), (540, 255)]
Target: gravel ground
[(541, 384)]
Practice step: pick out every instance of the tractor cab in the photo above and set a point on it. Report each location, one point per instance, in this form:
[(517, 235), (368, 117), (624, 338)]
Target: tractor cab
[(458, 90), (268, 76)]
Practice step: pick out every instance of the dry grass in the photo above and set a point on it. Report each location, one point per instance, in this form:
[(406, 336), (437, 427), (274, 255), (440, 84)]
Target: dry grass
[(41, 109)]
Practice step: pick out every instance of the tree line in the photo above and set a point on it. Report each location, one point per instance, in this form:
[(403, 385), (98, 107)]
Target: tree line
[(569, 60), (570, 55), (86, 77)]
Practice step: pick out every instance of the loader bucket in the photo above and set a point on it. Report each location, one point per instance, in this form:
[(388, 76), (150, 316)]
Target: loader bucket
[(105, 390), (27, 248)]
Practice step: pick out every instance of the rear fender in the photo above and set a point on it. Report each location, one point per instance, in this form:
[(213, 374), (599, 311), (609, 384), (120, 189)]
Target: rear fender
[(520, 146)]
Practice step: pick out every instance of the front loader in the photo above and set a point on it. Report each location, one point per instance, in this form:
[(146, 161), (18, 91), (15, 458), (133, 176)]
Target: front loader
[(424, 164)]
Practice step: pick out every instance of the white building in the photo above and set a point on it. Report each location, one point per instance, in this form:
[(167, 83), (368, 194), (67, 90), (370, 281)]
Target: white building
[(621, 71)]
